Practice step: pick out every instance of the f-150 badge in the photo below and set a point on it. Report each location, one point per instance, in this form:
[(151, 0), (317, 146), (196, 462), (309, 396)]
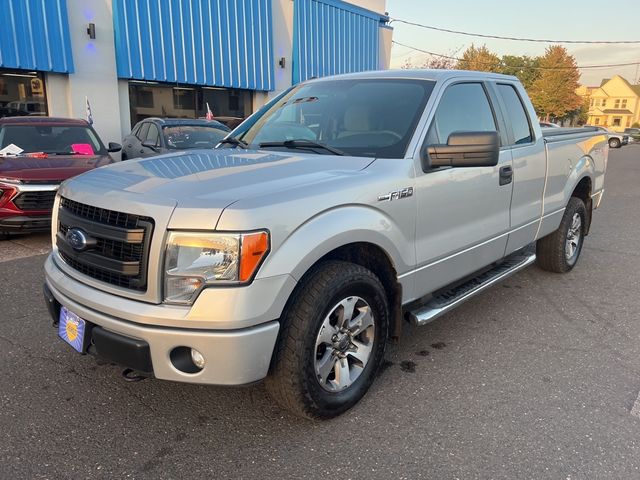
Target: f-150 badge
[(403, 193)]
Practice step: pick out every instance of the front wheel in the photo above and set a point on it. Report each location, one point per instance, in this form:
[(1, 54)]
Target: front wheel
[(332, 342), (614, 143), (559, 251)]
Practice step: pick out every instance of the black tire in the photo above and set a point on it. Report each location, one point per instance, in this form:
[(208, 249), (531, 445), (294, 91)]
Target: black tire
[(614, 143), (293, 381), (553, 252), (4, 236)]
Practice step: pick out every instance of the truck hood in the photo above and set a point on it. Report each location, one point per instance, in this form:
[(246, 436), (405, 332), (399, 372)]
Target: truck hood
[(54, 168), (201, 183)]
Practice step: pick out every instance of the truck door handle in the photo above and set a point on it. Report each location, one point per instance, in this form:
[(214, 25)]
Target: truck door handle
[(506, 175)]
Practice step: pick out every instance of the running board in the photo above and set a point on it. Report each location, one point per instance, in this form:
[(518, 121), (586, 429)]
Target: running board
[(450, 299)]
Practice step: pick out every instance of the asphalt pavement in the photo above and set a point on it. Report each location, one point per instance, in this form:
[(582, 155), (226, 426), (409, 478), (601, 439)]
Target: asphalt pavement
[(537, 378)]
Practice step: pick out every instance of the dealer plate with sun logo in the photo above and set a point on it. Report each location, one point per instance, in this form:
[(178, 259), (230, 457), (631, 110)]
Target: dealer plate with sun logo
[(71, 329)]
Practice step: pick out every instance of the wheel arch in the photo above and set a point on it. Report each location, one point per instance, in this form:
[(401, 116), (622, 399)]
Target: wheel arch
[(358, 234), (583, 191)]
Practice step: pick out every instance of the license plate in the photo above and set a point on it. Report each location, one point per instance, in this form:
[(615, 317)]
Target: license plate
[(72, 329)]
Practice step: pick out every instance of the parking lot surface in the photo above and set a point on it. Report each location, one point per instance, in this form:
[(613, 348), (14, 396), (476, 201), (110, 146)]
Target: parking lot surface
[(536, 378)]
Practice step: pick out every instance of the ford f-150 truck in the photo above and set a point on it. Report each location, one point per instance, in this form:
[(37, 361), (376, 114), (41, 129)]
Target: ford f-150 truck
[(295, 249)]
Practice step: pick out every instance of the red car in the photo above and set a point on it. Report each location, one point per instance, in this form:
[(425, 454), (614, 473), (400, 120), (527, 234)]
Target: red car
[(53, 149)]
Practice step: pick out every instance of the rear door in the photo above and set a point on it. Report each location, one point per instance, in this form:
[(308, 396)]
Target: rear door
[(462, 213), (529, 163)]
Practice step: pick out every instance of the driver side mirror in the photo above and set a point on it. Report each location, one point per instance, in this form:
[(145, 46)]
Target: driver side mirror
[(464, 149), (114, 147), (150, 144)]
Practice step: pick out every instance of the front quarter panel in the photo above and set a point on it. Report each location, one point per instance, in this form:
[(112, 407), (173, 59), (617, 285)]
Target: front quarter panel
[(308, 221)]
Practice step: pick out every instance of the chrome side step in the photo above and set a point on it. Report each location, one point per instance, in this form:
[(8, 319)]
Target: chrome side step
[(450, 299)]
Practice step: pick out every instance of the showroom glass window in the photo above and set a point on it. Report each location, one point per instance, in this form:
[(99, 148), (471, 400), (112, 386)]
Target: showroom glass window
[(151, 99), (22, 93)]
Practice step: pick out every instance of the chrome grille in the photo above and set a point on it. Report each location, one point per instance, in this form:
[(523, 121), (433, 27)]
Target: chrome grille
[(119, 244)]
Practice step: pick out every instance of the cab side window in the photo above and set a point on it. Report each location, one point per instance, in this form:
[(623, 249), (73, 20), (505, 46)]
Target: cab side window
[(153, 135), (516, 115), (142, 131), (464, 107)]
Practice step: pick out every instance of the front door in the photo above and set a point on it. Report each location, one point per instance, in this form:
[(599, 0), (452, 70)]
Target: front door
[(463, 212)]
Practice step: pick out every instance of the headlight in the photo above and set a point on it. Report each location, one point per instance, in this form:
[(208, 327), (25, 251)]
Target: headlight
[(194, 260)]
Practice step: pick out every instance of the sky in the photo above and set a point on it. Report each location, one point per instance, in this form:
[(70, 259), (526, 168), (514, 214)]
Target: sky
[(550, 19)]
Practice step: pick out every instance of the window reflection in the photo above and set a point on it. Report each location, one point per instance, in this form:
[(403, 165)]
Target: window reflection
[(22, 93)]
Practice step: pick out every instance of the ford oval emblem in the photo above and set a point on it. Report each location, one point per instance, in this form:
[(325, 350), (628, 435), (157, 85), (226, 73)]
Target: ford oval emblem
[(77, 239)]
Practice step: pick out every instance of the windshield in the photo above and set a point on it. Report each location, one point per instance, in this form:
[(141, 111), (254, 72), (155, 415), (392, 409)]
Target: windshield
[(50, 138), (192, 136), (362, 117)]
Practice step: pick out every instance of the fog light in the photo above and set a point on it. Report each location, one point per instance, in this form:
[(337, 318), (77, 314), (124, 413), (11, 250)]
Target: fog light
[(197, 358)]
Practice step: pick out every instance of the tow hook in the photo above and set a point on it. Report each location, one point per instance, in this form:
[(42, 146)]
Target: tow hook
[(130, 375)]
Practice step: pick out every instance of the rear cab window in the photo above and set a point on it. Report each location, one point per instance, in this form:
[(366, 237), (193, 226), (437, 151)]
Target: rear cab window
[(142, 131), (516, 114), (153, 135)]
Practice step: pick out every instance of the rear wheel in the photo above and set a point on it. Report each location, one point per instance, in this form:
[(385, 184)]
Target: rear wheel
[(614, 143), (332, 341), (559, 252)]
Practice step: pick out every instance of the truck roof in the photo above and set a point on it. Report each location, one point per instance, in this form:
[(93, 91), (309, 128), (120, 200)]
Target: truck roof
[(422, 74)]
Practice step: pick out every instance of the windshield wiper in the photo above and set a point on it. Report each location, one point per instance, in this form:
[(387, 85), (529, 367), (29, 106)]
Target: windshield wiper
[(234, 141), (305, 144)]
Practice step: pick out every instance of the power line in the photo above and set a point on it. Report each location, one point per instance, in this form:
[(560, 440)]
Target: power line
[(531, 67), (517, 39)]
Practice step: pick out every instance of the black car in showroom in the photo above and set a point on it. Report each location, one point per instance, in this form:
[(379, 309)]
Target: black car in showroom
[(155, 136)]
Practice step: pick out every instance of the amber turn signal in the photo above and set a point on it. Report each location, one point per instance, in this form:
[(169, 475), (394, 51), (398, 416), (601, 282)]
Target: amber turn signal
[(254, 248)]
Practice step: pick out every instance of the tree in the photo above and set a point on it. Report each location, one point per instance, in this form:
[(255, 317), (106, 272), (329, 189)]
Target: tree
[(523, 67), (553, 93), (479, 58), (440, 63), (434, 62)]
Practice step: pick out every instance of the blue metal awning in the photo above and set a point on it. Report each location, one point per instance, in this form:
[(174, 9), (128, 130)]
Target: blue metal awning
[(332, 37), (224, 43), (35, 36)]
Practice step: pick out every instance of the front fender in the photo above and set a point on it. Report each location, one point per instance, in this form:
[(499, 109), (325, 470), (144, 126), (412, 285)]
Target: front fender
[(335, 228)]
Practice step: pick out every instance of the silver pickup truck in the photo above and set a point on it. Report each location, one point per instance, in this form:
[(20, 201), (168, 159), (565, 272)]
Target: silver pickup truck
[(295, 249)]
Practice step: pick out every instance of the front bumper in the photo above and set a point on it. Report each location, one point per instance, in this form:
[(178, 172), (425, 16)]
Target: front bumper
[(232, 357)]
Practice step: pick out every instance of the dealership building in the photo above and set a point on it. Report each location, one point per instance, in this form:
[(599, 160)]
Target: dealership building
[(134, 59)]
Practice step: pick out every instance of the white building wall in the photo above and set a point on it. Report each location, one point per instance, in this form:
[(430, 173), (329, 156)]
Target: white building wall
[(378, 6), (385, 37), (95, 72), (282, 14)]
